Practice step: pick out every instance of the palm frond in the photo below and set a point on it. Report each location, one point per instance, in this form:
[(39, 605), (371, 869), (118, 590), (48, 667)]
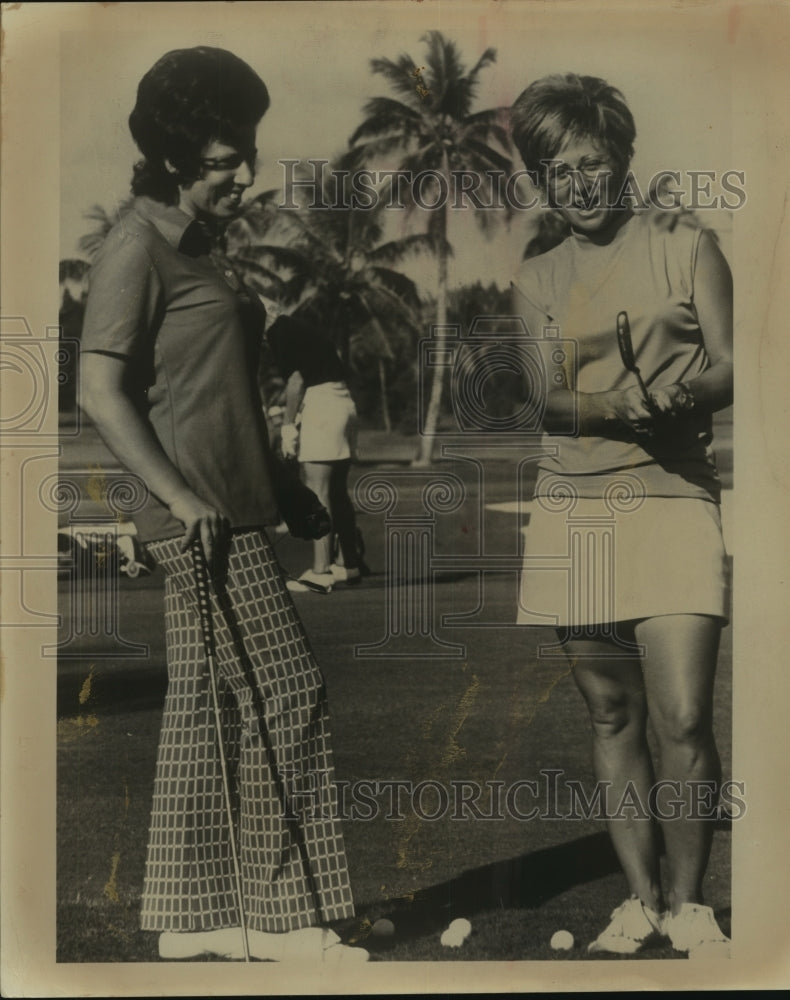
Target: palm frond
[(397, 284), (400, 75), (381, 147), (486, 59), (91, 242), (377, 126), (486, 156), (445, 66), (391, 311), (395, 250), (488, 125), (264, 279)]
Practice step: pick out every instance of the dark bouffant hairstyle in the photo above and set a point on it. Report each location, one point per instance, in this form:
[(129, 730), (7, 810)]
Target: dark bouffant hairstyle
[(188, 99), (561, 107)]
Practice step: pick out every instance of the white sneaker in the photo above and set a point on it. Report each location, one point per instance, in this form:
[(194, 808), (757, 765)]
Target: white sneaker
[(310, 580), (631, 926), (342, 574), (308, 944), (693, 930), (225, 942)]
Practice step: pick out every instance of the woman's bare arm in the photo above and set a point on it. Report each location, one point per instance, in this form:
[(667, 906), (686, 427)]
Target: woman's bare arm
[(712, 390)]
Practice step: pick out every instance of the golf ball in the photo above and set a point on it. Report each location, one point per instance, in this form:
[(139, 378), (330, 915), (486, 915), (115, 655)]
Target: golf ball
[(383, 928), (562, 941), (455, 935), (461, 927)]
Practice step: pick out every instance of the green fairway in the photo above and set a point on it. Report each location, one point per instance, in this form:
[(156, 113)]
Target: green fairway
[(497, 714)]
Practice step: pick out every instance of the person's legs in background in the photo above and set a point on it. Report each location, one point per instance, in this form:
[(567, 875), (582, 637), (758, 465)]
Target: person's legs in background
[(344, 524), (317, 476)]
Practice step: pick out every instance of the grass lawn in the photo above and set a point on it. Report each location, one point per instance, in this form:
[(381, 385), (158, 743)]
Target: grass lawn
[(498, 714)]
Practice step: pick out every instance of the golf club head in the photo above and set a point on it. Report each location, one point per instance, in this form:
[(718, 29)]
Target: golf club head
[(626, 346), (317, 588)]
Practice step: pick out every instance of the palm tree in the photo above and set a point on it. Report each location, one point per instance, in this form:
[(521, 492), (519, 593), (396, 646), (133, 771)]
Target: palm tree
[(431, 124), (103, 221), (73, 277), (336, 266)]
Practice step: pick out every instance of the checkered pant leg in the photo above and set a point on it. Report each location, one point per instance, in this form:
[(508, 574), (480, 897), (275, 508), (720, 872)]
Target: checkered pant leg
[(276, 737)]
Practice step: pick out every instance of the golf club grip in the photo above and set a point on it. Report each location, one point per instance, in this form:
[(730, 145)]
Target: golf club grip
[(203, 595), (625, 343)]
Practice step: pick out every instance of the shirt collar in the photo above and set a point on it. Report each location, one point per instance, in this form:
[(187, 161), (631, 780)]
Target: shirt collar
[(182, 231)]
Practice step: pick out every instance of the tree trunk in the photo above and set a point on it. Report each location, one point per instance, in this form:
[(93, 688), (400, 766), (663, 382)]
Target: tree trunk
[(428, 438), (385, 406)]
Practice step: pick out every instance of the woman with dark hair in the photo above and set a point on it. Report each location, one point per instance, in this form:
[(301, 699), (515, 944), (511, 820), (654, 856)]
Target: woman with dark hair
[(627, 495), (170, 354), (323, 441)]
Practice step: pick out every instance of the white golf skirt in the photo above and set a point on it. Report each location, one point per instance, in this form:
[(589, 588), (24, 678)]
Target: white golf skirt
[(588, 565), (327, 431)]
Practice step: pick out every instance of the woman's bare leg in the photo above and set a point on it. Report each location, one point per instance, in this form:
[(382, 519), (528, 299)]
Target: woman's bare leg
[(679, 669), (614, 692)]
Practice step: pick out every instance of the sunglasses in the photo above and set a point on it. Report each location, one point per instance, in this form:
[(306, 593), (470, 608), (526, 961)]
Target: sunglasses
[(560, 174), (231, 162)]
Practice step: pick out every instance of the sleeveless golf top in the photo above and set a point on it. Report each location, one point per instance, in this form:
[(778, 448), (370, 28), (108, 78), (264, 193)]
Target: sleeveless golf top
[(647, 269)]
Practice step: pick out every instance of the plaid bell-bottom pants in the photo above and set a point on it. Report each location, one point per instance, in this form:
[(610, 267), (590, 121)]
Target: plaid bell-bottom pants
[(275, 733)]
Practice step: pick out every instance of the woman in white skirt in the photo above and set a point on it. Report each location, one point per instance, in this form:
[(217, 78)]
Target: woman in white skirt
[(324, 440), (624, 554)]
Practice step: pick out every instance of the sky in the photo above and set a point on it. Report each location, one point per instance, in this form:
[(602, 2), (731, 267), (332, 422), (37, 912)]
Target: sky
[(315, 60)]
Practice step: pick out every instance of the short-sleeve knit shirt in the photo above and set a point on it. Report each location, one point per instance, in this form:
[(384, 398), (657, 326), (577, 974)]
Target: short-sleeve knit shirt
[(170, 304), (646, 269)]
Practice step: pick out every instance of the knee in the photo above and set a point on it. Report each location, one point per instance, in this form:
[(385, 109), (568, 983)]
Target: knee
[(612, 718), (318, 485), (686, 725)]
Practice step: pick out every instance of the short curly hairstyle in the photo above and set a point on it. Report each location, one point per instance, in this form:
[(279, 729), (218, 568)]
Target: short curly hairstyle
[(560, 107), (189, 98)]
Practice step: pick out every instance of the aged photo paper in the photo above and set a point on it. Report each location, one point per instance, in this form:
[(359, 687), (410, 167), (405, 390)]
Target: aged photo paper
[(463, 770)]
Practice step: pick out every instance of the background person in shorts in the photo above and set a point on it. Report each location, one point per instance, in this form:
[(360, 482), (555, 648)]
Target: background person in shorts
[(324, 440)]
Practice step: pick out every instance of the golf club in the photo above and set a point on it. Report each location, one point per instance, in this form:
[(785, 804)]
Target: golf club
[(207, 628), (627, 354), (319, 588)]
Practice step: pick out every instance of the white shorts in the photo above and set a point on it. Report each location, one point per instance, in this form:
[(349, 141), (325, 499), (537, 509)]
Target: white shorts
[(588, 565), (327, 430)]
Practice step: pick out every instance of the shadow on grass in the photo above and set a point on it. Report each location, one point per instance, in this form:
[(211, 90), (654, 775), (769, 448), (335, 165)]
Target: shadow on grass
[(523, 883), (107, 933)]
